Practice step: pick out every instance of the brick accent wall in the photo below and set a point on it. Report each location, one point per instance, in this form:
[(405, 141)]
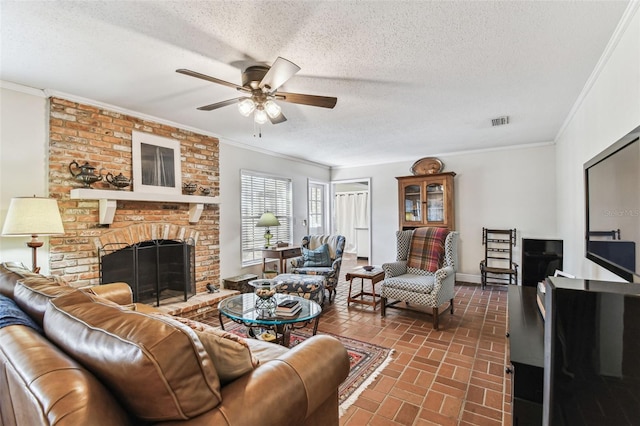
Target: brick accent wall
[(85, 133)]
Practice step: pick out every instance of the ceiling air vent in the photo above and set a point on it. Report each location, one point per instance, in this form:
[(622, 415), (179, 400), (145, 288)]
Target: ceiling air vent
[(500, 121)]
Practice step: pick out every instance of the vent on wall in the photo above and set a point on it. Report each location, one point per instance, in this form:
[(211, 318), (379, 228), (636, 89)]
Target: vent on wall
[(500, 121)]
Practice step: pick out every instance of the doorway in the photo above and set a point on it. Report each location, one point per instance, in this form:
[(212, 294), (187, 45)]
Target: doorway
[(351, 214)]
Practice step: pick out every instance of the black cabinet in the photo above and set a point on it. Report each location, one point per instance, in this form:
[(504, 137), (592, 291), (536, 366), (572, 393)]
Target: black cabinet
[(540, 259), (526, 349)]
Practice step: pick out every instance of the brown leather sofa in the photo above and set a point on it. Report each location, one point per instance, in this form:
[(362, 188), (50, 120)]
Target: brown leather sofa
[(101, 360)]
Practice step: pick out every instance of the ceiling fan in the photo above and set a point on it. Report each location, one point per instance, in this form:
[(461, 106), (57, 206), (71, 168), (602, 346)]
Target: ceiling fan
[(260, 85)]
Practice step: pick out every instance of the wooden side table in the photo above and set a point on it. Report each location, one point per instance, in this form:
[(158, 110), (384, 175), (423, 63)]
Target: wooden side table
[(376, 275), (282, 254)]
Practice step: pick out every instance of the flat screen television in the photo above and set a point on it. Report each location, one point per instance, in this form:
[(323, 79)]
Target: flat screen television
[(612, 184)]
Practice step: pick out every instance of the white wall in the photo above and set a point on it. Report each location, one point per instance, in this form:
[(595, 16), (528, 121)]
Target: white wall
[(23, 162), (608, 110), (509, 188), (232, 160)]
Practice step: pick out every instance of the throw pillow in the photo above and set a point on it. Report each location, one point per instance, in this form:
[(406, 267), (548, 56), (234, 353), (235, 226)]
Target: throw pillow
[(316, 257), (10, 314), (426, 251), (230, 353)]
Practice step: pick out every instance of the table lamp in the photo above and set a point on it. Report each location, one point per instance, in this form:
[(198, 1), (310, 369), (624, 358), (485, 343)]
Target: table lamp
[(266, 220), (33, 216)]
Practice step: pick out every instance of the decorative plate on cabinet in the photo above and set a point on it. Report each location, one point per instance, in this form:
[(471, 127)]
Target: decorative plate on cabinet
[(427, 166)]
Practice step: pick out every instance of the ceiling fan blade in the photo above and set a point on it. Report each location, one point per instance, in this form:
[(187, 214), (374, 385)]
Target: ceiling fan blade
[(313, 100), (279, 119), (219, 104), (211, 79), (281, 71)]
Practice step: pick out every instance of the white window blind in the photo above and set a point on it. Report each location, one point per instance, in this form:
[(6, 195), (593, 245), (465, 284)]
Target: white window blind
[(263, 193)]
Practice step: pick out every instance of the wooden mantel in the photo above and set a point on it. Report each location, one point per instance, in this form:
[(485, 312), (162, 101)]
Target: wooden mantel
[(109, 198)]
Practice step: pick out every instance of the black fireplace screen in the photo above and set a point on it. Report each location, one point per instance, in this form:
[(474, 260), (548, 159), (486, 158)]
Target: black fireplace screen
[(155, 270)]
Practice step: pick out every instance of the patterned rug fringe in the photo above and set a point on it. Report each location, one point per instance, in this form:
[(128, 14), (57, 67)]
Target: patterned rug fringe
[(364, 385)]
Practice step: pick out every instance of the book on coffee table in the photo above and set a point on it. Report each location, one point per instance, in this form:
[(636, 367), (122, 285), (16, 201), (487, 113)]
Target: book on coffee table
[(288, 308)]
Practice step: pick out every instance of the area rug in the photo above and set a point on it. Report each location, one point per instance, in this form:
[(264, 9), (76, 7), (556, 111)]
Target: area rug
[(366, 362)]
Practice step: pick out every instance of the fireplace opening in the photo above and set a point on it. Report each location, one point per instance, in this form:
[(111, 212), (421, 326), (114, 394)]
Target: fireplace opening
[(155, 270)]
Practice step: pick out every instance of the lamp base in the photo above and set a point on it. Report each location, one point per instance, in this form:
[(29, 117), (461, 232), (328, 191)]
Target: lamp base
[(34, 244), (267, 237)]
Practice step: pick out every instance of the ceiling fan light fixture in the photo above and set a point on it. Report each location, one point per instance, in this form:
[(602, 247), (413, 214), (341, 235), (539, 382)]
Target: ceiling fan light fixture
[(246, 106), (260, 116), (273, 109)]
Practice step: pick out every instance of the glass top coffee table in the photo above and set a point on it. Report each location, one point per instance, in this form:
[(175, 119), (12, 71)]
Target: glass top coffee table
[(242, 309)]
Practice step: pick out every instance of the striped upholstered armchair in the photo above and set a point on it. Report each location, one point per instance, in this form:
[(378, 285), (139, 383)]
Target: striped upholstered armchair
[(424, 272), (317, 264)]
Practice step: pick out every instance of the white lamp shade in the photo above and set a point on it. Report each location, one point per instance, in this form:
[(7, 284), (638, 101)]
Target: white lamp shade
[(33, 216), (268, 219)]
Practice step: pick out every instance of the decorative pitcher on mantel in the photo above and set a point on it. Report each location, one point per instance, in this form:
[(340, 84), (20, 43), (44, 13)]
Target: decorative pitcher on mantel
[(120, 181), (85, 173)]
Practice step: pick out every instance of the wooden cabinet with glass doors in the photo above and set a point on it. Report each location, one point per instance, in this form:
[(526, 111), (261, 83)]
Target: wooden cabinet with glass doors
[(426, 200)]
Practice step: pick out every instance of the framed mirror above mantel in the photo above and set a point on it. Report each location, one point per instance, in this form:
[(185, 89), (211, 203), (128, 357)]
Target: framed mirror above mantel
[(108, 201)]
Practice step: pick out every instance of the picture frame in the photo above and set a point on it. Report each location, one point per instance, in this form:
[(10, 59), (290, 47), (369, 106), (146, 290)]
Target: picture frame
[(156, 164)]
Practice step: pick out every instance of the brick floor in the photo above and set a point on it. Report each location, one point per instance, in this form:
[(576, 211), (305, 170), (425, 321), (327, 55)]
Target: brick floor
[(453, 376)]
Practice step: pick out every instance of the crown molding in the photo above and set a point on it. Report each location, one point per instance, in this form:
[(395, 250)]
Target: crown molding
[(22, 89)]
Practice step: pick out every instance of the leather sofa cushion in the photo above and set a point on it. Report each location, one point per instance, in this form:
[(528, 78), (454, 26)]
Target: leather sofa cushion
[(11, 272), (32, 295), (158, 369), (8, 279), (230, 353)]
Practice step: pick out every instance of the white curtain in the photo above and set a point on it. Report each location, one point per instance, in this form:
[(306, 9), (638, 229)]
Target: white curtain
[(351, 213)]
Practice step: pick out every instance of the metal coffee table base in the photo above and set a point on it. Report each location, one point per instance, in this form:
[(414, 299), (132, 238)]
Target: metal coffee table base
[(282, 331)]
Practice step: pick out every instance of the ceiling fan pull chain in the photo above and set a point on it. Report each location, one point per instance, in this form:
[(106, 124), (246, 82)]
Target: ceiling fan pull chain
[(259, 126)]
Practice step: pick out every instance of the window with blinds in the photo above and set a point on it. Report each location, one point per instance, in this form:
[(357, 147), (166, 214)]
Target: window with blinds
[(263, 193)]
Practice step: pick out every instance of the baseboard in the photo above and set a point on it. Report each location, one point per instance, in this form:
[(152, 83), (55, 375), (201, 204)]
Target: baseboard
[(469, 278)]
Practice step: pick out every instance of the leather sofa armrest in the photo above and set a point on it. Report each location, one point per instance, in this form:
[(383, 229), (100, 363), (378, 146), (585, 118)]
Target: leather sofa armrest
[(394, 269), (119, 293), (298, 384)]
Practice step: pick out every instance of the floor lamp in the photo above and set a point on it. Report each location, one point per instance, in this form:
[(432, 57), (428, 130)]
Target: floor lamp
[(266, 220), (34, 216)]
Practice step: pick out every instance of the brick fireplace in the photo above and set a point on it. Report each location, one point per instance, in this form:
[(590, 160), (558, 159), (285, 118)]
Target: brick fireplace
[(85, 133)]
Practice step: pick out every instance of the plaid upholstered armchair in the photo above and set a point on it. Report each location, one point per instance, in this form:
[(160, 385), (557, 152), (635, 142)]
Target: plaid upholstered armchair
[(314, 259), (424, 272)]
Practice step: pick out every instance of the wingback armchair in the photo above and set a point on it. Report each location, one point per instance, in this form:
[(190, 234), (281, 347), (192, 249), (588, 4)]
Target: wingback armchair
[(424, 270), (329, 268)]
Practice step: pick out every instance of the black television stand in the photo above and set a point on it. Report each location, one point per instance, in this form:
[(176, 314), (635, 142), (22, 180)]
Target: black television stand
[(526, 349)]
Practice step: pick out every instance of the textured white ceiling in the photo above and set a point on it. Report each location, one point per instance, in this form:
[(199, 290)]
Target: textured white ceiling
[(412, 78)]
